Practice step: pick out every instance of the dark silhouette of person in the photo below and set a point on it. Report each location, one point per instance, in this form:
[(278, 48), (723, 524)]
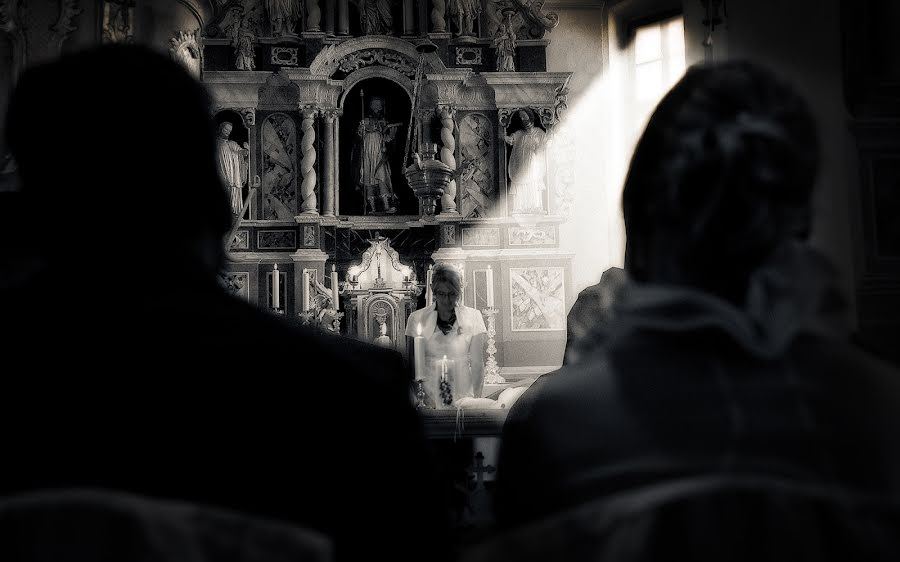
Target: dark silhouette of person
[(128, 367), (722, 390)]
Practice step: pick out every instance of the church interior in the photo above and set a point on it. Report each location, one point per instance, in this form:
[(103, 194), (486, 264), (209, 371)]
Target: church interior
[(530, 109)]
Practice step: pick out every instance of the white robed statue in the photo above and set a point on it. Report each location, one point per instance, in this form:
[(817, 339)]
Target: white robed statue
[(527, 165), (233, 165)]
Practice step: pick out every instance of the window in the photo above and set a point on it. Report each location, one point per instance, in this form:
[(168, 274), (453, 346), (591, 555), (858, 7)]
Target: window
[(658, 51)]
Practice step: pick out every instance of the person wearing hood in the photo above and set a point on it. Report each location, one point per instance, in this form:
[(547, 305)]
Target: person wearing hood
[(724, 352)]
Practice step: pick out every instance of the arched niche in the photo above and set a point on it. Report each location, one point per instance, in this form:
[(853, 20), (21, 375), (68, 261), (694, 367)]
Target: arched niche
[(239, 134), (279, 167), (397, 109)]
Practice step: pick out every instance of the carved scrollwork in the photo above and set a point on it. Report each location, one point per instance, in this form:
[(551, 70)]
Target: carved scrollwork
[(361, 59), (504, 114), (248, 114), (562, 98), (185, 48), (548, 116)]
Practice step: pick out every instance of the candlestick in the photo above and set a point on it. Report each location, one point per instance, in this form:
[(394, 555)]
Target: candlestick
[(334, 287), (491, 369), (276, 288), (305, 291), (490, 287)]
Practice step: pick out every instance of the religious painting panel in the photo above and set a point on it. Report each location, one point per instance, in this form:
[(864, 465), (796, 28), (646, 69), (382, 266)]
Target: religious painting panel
[(537, 299), (279, 164), (477, 183)]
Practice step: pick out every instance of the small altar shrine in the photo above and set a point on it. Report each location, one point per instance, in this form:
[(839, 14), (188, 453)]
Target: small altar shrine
[(327, 102)]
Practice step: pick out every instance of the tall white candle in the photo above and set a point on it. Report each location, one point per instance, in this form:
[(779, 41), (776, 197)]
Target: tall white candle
[(334, 287), (276, 288), (305, 290), (429, 298), (419, 354), (490, 287)]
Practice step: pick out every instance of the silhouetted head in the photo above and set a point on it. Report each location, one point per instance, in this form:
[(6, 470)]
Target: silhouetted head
[(722, 175), (134, 167)]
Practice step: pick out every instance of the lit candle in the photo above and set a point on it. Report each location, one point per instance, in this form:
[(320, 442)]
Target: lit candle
[(334, 287), (429, 298), (490, 287), (305, 290), (444, 368), (276, 288), (419, 354)]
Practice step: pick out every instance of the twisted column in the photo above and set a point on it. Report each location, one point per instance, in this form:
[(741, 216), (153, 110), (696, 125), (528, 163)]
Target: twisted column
[(448, 155), (308, 162), (313, 15), (328, 181), (438, 17)]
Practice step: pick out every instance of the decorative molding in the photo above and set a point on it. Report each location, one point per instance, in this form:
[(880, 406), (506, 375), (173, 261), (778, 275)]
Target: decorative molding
[(369, 57), (474, 236), (469, 56), (276, 239), (448, 235), (538, 235), (285, 56), (528, 89), (241, 240), (64, 27), (328, 60)]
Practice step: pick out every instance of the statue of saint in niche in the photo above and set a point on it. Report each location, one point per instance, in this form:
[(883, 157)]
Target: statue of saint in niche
[(375, 136), (527, 166), (233, 165)]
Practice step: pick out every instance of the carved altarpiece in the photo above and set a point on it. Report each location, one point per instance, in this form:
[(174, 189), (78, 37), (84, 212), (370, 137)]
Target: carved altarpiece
[(301, 107)]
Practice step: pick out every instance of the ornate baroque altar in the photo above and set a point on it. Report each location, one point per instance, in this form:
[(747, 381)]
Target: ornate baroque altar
[(298, 89)]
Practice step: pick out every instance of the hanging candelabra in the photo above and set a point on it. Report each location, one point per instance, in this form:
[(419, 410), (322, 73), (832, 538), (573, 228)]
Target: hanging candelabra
[(427, 176)]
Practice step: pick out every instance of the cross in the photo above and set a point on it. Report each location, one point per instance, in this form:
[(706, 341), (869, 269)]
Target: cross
[(480, 469)]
